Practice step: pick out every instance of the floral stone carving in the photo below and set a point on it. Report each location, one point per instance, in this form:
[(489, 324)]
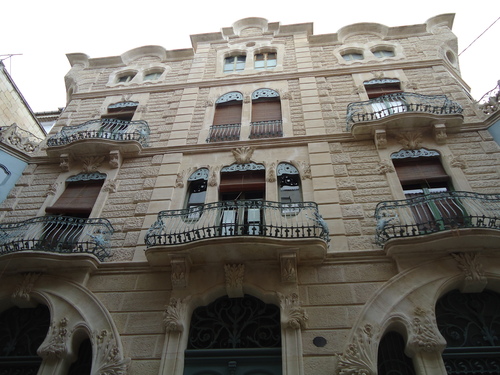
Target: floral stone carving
[(292, 314), (174, 314), (360, 357)]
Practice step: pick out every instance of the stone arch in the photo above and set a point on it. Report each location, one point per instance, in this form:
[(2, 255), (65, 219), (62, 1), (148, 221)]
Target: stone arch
[(408, 301), (75, 314)]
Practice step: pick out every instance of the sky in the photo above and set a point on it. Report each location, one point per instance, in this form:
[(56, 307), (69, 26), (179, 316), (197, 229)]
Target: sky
[(43, 32)]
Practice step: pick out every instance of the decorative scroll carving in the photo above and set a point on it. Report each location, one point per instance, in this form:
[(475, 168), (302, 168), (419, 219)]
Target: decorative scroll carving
[(440, 134), (424, 337), (360, 356), (109, 360), (271, 172), (404, 154), (91, 163), (212, 181), (179, 180), (457, 162), (175, 314), (230, 96), (64, 162), (242, 155), (180, 272), (199, 174), (288, 268), (110, 186), (305, 169), (474, 277), (115, 159), (19, 138), (410, 140), (264, 93), (292, 314), (243, 167), (25, 287), (286, 95), (385, 166), (234, 274), (52, 190), (380, 139), (56, 345)]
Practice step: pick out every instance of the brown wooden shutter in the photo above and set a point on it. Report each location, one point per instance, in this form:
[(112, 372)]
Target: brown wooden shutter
[(242, 181), (420, 170), (228, 113), (268, 110), (374, 91), (78, 198)]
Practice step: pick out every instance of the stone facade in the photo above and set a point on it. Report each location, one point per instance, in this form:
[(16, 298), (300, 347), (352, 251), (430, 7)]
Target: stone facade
[(338, 293)]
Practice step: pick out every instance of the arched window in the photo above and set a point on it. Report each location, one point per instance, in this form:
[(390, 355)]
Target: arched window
[(392, 359), (83, 364), (266, 114), (227, 118), (234, 336), (470, 323), (22, 331), (197, 190), (289, 183)]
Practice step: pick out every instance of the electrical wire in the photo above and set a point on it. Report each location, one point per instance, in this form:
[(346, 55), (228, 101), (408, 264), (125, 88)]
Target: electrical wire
[(489, 27)]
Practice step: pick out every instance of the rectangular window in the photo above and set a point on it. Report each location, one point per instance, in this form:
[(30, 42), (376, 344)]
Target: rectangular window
[(265, 60), (234, 63)]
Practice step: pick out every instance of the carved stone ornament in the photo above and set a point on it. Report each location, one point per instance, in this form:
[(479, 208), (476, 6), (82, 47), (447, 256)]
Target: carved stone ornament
[(19, 138), (179, 180), (180, 271), (25, 287), (175, 314), (115, 159), (110, 186), (380, 139), (212, 180), (292, 314), (288, 268), (64, 162), (56, 345), (423, 336), (243, 155), (474, 277), (91, 163), (440, 134), (52, 190), (271, 172), (360, 356), (385, 166), (457, 162), (305, 169), (410, 140), (234, 274), (109, 360)]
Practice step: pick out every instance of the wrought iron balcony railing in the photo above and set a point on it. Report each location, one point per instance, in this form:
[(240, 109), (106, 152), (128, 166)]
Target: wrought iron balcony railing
[(220, 133), (387, 105), (238, 218), (266, 129), (110, 129), (435, 213), (57, 234)]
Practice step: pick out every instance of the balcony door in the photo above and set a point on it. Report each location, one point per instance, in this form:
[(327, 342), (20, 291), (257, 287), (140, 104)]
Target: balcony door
[(242, 192), (386, 96)]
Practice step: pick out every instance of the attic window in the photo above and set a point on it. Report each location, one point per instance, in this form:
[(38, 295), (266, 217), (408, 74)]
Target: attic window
[(152, 76), (126, 78), (381, 53), (352, 56)]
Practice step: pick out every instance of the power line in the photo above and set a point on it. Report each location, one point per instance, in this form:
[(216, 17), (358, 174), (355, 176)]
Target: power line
[(489, 27)]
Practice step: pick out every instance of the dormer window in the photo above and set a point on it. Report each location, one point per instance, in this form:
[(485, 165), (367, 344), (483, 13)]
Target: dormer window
[(381, 53), (234, 63), (266, 60), (152, 76), (126, 78), (352, 56)]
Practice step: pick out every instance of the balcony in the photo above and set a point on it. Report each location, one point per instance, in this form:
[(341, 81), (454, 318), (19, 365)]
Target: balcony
[(222, 133), (456, 213), (266, 129), (57, 234), (402, 111), (233, 227), (100, 136)]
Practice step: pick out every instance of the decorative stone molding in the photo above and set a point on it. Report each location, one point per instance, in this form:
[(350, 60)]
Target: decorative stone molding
[(175, 315), (285, 95), (180, 272), (56, 346), (110, 186), (109, 360), (305, 169), (440, 134), (292, 314), (91, 163), (179, 180), (243, 155), (474, 277), (213, 180), (234, 274), (64, 162), (271, 172), (423, 337), (457, 162), (115, 159), (410, 140), (52, 190), (380, 139), (360, 357), (19, 138), (288, 264), (385, 166), (25, 287)]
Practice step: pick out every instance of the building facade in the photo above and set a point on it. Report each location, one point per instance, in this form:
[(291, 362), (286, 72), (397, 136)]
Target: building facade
[(269, 201)]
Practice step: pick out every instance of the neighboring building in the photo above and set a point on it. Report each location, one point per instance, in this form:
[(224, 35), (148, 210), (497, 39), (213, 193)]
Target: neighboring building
[(268, 202), (48, 119), (20, 133)]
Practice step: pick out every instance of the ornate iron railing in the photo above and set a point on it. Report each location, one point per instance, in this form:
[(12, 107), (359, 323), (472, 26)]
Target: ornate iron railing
[(391, 104), (220, 133), (57, 234), (238, 218), (436, 212), (112, 129), (266, 129)]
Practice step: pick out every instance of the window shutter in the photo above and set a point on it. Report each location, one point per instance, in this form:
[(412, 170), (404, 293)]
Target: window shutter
[(226, 114), (266, 110), (78, 198), (420, 170), (242, 181)]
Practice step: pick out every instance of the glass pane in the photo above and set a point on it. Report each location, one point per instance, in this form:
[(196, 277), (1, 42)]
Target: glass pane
[(259, 64)]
